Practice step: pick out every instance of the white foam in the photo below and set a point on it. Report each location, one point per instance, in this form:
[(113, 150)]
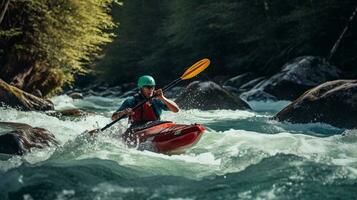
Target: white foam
[(218, 152)]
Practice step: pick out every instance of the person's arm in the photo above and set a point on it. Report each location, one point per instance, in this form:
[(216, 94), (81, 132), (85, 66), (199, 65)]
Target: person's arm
[(123, 110), (127, 111), (171, 105)]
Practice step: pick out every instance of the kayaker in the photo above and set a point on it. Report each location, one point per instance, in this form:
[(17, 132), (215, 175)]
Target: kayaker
[(152, 109)]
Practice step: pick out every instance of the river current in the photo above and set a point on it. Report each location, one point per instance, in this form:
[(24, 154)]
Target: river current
[(242, 155)]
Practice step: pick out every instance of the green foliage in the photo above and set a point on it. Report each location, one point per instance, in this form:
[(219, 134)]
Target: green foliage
[(48, 42), (59, 37), (136, 41), (239, 36), (10, 33)]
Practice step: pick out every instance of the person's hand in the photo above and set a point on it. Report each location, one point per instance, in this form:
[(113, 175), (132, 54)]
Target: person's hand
[(159, 94), (128, 112), (119, 114)]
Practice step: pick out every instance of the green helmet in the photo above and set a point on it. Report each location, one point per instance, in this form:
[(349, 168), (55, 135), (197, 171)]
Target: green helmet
[(146, 80)]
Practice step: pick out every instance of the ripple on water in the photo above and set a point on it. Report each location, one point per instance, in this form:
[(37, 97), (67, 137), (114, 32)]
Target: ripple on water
[(243, 154)]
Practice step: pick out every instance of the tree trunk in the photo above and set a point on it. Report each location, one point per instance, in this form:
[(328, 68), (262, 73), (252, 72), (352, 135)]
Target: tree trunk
[(14, 97), (16, 70), (334, 48), (3, 11)]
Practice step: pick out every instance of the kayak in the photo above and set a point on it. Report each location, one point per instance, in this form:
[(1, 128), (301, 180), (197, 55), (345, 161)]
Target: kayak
[(164, 136)]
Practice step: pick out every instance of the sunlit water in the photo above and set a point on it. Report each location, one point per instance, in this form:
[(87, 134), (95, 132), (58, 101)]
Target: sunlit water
[(242, 155)]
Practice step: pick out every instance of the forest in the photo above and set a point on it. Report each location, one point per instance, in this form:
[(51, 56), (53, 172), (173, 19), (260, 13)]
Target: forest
[(50, 44)]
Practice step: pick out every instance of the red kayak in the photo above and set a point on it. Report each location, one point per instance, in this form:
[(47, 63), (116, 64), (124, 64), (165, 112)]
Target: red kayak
[(164, 136)]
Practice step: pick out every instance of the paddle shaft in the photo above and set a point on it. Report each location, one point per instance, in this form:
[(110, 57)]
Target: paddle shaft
[(170, 85)]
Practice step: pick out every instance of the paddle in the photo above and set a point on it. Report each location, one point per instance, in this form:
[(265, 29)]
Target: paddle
[(191, 72)]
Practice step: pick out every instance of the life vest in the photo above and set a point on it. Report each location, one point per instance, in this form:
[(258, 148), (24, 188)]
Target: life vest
[(145, 112)]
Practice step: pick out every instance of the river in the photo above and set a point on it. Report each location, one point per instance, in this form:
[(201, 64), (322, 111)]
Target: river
[(242, 155)]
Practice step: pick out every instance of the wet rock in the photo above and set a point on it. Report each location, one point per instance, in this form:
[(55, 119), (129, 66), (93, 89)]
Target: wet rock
[(257, 95), (91, 93), (220, 80), (251, 84), (129, 93), (75, 112), (333, 102), (110, 93), (208, 96), (128, 86), (20, 138), (296, 77), (76, 95), (96, 90), (232, 90), (37, 93), (107, 93), (101, 88), (238, 81), (173, 92), (14, 97), (116, 88)]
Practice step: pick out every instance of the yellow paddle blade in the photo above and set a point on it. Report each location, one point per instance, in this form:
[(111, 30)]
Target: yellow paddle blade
[(195, 69)]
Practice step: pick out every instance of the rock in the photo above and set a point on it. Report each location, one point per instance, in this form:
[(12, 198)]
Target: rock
[(110, 93), (232, 90), (77, 90), (333, 102), (75, 112), (116, 88), (76, 95), (129, 93), (238, 81), (102, 88), (208, 96), (14, 97), (128, 86), (296, 77), (98, 90), (107, 93), (91, 93), (251, 84), (37, 93), (257, 95), (173, 92), (219, 79), (22, 137)]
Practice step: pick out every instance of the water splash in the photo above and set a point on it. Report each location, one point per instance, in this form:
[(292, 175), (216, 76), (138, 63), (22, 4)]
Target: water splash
[(243, 154)]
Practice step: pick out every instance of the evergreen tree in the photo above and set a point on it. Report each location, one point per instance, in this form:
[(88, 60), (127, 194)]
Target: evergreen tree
[(258, 36), (46, 42)]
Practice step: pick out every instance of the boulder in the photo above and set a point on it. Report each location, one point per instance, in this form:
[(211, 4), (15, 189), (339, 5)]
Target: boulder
[(232, 90), (128, 86), (251, 84), (14, 97), (91, 93), (110, 93), (333, 102), (208, 96), (129, 93), (20, 138), (37, 93), (76, 95), (75, 112), (95, 90), (238, 81), (173, 92), (296, 77), (257, 95)]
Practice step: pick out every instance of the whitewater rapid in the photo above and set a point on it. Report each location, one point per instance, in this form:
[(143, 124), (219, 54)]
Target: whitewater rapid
[(236, 141)]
